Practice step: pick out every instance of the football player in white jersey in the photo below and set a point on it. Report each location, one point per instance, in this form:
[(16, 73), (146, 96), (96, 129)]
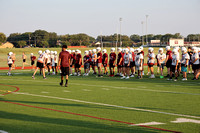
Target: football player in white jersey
[(195, 63), (139, 62), (174, 66), (52, 62), (56, 61), (41, 63), (151, 61), (127, 58), (48, 61), (184, 62), (161, 60), (10, 62)]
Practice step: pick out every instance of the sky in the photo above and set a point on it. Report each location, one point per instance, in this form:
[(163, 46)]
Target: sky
[(96, 17)]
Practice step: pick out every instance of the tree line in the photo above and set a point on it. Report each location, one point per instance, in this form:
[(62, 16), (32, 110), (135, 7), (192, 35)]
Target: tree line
[(42, 38)]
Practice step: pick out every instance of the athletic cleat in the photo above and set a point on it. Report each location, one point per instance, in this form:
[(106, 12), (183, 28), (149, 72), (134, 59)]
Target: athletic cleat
[(127, 77), (33, 77), (132, 76), (184, 79), (123, 77), (44, 78), (175, 79), (66, 85), (61, 84), (71, 75), (169, 79), (152, 77), (147, 73)]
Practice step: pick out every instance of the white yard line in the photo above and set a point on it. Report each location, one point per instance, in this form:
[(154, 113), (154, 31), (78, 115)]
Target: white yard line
[(66, 91), (44, 92), (148, 124), (139, 89), (109, 105), (86, 90), (1, 131)]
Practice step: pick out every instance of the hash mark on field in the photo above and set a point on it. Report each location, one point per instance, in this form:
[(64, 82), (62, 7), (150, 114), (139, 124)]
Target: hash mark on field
[(86, 90), (183, 120), (148, 123), (105, 89), (66, 91), (1, 131), (44, 92)]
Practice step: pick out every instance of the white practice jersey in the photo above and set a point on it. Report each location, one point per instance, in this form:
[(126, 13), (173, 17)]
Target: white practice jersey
[(127, 58), (42, 57), (175, 59), (52, 59), (194, 57), (93, 55), (178, 57), (161, 57), (56, 58), (10, 60), (150, 60), (138, 58), (48, 58), (184, 58)]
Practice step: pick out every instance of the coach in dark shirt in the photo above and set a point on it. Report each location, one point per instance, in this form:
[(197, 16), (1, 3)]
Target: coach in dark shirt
[(64, 62)]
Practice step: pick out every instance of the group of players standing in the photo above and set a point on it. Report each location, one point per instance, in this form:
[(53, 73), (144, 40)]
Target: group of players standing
[(129, 61)]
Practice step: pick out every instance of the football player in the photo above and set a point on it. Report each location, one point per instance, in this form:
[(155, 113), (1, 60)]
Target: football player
[(94, 61), (24, 59), (127, 58), (142, 51), (13, 59), (10, 62), (78, 62), (119, 62), (99, 62), (86, 63), (105, 61), (33, 58), (184, 62), (132, 62), (190, 61), (174, 65), (56, 61), (112, 62), (139, 62), (52, 62), (41, 63), (151, 61), (168, 61), (161, 60), (195, 63)]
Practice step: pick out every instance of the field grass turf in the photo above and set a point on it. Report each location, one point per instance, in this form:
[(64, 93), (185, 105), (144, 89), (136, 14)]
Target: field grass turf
[(160, 95)]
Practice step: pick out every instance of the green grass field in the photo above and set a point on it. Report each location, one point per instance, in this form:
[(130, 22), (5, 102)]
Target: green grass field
[(43, 106)]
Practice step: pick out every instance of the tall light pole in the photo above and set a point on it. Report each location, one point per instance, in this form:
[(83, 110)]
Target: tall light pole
[(117, 40), (146, 29), (120, 39), (101, 42), (142, 32)]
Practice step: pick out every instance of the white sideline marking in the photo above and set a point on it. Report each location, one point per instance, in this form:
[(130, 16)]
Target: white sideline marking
[(86, 90), (1, 131), (66, 91), (140, 89), (183, 120), (105, 89), (148, 124), (44, 92), (110, 105)]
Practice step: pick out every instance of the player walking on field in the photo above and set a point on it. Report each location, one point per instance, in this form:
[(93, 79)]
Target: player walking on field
[(161, 61), (184, 62), (24, 59), (40, 63), (112, 62), (64, 63), (10, 62), (105, 61), (99, 62)]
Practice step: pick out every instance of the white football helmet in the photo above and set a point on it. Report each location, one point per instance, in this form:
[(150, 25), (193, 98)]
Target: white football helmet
[(73, 51), (94, 50), (98, 49), (40, 52), (47, 51), (104, 50), (141, 48), (138, 50), (183, 49), (52, 52), (126, 50), (150, 49), (79, 52), (55, 52), (86, 52), (119, 49), (167, 48), (69, 51), (112, 49), (160, 50), (174, 51), (31, 54), (90, 50), (10, 53), (195, 49)]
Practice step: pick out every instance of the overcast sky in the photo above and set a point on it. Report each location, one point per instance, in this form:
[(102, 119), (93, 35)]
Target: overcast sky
[(94, 17)]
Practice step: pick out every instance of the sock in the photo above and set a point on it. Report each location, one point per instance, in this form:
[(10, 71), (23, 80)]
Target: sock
[(61, 81), (66, 81)]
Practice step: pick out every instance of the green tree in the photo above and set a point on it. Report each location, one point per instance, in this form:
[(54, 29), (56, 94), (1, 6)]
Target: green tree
[(2, 37), (41, 35), (43, 44), (135, 38), (21, 44)]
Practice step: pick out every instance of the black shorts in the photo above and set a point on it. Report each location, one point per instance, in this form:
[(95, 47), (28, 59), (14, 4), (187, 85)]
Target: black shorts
[(77, 66), (93, 64), (32, 62), (86, 65), (48, 64), (126, 66), (40, 65), (10, 65), (150, 65), (56, 64), (119, 66), (64, 71), (168, 63), (132, 64), (173, 68), (111, 65), (24, 60), (195, 66)]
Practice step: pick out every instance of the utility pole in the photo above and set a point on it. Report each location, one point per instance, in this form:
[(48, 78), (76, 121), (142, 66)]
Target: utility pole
[(146, 29), (142, 32), (120, 39), (101, 42)]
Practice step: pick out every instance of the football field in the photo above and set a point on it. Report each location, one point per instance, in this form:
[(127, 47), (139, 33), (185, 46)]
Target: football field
[(92, 104)]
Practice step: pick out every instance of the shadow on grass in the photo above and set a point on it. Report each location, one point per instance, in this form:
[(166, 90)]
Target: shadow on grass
[(78, 125)]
